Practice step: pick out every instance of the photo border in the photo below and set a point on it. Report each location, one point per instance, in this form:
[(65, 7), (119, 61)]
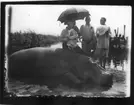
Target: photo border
[(49, 99)]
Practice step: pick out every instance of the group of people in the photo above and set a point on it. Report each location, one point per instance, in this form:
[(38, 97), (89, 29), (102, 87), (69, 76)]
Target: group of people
[(94, 44)]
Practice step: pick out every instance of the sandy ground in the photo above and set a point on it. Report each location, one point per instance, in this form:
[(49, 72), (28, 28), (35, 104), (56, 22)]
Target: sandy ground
[(117, 90)]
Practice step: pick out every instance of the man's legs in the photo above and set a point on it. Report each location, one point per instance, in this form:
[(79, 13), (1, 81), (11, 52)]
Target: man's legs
[(106, 55), (84, 46), (107, 52)]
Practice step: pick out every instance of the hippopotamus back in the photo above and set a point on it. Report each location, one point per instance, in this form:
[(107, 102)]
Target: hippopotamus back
[(51, 67)]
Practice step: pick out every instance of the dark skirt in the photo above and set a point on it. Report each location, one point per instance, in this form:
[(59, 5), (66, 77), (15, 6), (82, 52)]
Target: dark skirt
[(64, 45)]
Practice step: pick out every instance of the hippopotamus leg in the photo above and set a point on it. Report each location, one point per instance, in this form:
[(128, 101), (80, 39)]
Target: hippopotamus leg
[(68, 79), (73, 78), (106, 80), (74, 82), (100, 77)]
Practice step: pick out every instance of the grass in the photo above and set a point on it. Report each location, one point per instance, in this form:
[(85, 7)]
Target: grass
[(23, 40)]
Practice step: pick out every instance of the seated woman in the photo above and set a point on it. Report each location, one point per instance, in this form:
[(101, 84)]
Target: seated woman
[(69, 37)]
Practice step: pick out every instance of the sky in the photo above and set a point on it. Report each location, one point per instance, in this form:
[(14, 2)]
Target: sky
[(43, 18)]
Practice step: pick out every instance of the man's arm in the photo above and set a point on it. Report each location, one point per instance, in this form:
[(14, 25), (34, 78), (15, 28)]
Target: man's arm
[(97, 33), (81, 30), (93, 31), (93, 35), (109, 32), (77, 30), (63, 36)]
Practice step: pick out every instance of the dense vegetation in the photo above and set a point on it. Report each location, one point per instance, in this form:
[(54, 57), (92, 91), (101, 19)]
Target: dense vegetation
[(23, 40)]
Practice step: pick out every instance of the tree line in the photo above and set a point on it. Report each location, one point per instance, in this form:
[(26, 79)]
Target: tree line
[(24, 40)]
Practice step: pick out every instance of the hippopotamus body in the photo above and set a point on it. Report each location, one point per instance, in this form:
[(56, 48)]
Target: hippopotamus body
[(52, 67)]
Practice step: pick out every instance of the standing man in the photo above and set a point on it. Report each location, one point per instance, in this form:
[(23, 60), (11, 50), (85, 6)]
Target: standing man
[(103, 34), (88, 36)]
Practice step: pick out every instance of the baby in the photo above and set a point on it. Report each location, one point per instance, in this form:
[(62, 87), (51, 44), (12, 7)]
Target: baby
[(73, 38)]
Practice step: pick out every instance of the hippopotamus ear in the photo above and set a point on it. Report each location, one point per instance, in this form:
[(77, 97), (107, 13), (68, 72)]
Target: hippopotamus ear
[(90, 59)]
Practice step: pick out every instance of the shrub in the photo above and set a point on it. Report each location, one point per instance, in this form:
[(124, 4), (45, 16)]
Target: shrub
[(19, 40)]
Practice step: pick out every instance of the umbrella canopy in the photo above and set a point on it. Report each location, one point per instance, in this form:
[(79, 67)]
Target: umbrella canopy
[(73, 14)]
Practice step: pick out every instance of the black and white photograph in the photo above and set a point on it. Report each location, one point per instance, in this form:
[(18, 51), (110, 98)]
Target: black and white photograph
[(68, 50)]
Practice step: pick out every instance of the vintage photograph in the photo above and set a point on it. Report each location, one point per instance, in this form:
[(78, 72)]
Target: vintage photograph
[(68, 50)]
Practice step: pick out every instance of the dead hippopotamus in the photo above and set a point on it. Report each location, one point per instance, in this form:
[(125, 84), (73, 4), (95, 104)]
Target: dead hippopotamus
[(52, 67)]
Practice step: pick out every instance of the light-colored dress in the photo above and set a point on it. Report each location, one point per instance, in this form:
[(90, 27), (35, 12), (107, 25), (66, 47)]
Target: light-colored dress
[(103, 35)]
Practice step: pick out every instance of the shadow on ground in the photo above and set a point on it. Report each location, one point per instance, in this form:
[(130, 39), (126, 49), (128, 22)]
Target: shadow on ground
[(117, 90)]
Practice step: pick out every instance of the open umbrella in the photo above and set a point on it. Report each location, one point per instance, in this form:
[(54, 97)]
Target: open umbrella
[(73, 14)]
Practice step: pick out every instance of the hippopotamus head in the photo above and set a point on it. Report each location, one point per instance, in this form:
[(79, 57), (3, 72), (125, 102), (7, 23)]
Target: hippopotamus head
[(86, 68), (92, 71)]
